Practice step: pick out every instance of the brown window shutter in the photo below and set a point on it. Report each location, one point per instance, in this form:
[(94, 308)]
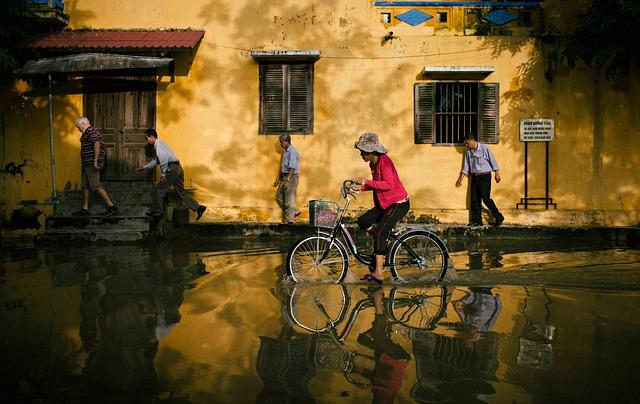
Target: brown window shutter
[(424, 109), (300, 98), (272, 93), (488, 107)]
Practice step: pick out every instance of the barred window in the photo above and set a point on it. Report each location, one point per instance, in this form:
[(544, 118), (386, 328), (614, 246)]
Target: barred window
[(286, 98), (446, 111)]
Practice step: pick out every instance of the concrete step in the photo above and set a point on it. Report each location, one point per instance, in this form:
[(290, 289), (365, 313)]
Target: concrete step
[(112, 229), (96, 223), (98, 208), (110, 237)]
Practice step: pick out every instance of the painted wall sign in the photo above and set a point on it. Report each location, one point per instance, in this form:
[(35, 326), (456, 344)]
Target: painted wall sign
[(536, 130)]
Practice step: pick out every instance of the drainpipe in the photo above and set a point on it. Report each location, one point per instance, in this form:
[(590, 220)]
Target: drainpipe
[(51, 145)]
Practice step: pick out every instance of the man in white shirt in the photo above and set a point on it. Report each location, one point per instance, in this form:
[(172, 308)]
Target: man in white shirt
[(171, 174)]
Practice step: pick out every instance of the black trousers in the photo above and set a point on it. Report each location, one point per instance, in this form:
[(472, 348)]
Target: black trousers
[(481, 192), (384, 220)]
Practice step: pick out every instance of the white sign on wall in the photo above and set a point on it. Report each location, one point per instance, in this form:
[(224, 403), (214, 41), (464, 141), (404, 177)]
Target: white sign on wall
[(536, 130)]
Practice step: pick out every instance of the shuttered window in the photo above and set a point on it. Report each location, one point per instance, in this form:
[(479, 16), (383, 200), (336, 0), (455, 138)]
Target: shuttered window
[(446, 111), (286, 98)]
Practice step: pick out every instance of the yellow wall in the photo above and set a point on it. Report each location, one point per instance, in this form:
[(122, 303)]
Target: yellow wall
[(210, 117)]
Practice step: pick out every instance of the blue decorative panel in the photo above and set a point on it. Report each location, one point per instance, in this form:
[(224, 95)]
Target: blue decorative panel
[(414, 17), (499, 17)]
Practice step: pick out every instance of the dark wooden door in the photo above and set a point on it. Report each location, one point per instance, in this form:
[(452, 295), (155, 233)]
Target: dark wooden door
[(122, 116)]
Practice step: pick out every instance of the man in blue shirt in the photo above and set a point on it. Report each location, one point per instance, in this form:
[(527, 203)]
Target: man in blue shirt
[(479, 162), (171, 174), (287, 180)]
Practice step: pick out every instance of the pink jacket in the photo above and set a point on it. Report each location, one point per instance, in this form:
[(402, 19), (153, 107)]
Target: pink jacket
[(386, 185)]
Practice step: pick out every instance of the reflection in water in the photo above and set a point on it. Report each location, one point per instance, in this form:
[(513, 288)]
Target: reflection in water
[(448, 367), (129, 324), (124, 315)]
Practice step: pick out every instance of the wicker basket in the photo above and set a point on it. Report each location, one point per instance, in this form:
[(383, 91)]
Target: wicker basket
[(323, 213)]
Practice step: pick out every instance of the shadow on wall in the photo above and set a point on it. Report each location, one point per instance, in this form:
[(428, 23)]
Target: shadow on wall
[(583, 106)]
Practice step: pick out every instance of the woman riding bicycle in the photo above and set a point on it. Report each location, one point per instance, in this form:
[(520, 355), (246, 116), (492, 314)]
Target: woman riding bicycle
[(390, 199)]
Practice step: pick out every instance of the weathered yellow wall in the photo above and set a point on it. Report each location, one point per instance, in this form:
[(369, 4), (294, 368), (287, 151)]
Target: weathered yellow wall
[(210, 117)]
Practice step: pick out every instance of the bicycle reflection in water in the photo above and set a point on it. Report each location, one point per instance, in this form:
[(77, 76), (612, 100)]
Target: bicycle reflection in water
[(455, 353), (321, 309)]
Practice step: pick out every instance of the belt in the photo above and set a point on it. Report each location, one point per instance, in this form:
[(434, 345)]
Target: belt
[(174, 163), (480, 174)]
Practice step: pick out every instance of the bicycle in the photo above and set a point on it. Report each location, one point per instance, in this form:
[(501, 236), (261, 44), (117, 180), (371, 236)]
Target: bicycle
[(323, 256)]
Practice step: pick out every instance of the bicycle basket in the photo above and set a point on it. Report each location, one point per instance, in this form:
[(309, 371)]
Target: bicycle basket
[(323, 213)]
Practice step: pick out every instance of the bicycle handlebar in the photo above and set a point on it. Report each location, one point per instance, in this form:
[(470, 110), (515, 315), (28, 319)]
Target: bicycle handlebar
[(348, 188)]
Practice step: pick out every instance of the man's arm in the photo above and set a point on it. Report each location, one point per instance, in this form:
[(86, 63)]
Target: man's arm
[(96, 154), (494, 164), (465, 170)]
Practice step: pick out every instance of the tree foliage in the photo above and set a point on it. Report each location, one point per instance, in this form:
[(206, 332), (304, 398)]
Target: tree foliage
[(16, 24), (607, 38)]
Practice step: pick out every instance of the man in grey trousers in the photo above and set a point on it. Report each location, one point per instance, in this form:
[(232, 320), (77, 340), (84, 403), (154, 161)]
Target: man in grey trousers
[(171, 174), (287, 180)]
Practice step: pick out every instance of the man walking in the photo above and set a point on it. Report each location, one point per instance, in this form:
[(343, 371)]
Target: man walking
[(287, 180), (171, 174), (479, 162), (92, 155)]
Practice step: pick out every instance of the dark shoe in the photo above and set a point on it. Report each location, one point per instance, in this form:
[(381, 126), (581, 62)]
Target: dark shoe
[(200, 211), (498, 222), (371, 278), (474, 224), (111, 210), (81, 212), (366, 340)]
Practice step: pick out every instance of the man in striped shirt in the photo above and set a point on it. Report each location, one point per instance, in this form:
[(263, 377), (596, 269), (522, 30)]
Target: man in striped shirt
[(93, 156)]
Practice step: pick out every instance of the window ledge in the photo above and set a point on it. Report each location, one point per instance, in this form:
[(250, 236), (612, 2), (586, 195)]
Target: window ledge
[(458, 72), (285, 55)]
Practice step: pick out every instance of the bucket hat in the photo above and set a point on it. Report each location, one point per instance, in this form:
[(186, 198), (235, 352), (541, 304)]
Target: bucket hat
[(369, 142)]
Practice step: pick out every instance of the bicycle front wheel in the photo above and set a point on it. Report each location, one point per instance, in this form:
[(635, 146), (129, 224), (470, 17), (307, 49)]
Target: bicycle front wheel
[(418, 308), (317, 258), (418, 256), (318, 308)]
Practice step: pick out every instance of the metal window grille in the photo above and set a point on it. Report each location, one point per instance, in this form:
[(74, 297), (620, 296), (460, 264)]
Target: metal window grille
[(456, 111)]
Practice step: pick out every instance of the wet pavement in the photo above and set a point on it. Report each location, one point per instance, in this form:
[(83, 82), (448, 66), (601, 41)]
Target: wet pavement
[(515, 321)]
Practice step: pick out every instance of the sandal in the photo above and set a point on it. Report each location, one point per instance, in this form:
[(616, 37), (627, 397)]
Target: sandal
[(371, 278)]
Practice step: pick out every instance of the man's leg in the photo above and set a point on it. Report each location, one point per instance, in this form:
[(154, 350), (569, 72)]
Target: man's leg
[(290, 200), (178, 185), (475, 208), (485, 193), (104, 195), (157, 196)]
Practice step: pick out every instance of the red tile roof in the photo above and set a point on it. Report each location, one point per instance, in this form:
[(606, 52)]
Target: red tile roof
[(116, 39)]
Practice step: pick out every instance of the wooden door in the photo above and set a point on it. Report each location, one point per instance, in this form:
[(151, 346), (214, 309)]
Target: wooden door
[(122, 116)]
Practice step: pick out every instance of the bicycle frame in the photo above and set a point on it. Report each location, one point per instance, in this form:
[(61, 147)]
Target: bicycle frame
[(340, 228)]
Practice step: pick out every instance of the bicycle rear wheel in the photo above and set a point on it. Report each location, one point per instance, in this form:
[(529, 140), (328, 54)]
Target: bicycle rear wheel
[(418, 255), (316, 258), (317, 307), (418, 308)]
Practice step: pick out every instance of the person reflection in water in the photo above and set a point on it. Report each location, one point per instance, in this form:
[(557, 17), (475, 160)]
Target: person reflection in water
[(390, 358), (478, 310)]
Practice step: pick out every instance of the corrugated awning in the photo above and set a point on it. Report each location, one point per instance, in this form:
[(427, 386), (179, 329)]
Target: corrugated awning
[(104, 40), (91, 62)]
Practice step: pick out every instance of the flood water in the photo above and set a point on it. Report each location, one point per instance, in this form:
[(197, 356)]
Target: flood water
[(514, 322)]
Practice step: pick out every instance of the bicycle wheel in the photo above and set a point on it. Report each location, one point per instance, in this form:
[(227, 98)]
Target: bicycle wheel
[(418, 308), (418, 255), (316, 259), (317, 307)]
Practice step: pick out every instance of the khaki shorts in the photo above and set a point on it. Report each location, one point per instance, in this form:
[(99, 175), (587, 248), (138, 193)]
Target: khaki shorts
[(90, 178)]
